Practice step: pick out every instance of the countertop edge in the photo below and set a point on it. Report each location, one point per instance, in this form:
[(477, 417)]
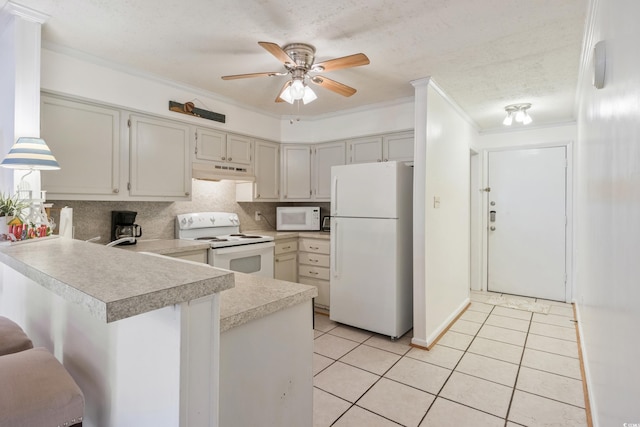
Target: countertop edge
[(258, 312), (176, 289)]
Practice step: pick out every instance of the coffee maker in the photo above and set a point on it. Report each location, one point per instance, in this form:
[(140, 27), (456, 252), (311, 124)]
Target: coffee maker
[(122, 225)]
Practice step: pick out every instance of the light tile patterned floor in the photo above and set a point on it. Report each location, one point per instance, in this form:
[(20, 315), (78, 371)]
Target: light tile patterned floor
[(496, 366)]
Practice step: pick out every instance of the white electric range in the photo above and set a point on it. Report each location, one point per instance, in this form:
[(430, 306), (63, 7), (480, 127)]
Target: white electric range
[(230, 249)]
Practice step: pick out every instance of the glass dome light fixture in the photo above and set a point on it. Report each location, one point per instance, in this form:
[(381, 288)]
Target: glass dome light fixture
[(517, 113), (297, 91)]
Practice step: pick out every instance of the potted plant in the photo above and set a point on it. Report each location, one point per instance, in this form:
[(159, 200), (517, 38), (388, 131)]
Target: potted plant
[(10, 207)]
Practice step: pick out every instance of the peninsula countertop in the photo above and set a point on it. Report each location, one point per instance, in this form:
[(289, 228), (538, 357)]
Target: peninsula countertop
[(112, 284), (252, 297)]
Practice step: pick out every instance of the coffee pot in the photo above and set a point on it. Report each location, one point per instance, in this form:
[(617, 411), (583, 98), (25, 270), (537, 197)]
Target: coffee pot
[(123, 226)]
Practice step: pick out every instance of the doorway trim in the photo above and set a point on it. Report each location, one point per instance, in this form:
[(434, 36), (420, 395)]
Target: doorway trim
[(569, 210)]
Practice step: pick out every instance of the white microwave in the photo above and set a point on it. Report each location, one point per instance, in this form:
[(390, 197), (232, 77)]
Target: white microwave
[(297, 218)]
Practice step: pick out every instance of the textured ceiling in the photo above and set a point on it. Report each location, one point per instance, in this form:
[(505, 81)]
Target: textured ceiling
[(485, 54)]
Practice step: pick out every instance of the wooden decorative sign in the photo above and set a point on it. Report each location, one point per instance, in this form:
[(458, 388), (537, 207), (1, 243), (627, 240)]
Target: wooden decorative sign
[(190, 109)]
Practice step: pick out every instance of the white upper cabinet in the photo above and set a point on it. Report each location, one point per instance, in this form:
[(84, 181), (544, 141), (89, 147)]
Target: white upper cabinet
[(160, 163), (365, 150), (296, 172), (212, 145), (267, 169), (85, 139), (397, 146), (326, 156), (238, 149)]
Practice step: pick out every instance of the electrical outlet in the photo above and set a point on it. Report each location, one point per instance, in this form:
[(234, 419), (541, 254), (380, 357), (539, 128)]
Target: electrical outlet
[(258, 216)]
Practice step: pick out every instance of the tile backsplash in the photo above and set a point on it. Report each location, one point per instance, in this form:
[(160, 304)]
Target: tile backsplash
[(92, 219)]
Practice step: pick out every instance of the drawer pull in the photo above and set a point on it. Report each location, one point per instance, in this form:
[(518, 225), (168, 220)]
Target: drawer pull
[(286, 247), (314, 272), (313, 260), (314, 247)]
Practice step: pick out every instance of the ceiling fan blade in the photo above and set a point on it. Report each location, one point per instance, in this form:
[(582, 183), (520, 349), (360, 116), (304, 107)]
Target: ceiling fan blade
[(333, 85), (246, 76), (286, 85), (354, 60), (277, 51)]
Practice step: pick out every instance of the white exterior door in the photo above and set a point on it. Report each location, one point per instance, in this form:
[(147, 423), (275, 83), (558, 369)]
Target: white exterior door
[(527, 222)]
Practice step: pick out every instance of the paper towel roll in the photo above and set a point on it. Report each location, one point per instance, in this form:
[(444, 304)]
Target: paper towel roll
[(66, 223)]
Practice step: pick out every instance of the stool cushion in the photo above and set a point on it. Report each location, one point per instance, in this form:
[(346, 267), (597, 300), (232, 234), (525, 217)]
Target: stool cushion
[(37, 391), (12, 337)]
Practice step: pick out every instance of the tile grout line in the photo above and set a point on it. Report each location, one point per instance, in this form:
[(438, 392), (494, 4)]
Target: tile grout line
[(515, 383)]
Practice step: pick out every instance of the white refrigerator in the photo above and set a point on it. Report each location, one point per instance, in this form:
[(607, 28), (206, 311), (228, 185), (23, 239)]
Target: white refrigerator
[(371, 278)]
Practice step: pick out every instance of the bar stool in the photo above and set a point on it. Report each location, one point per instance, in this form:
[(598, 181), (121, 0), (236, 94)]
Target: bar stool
[(12, 337), (37, 391)]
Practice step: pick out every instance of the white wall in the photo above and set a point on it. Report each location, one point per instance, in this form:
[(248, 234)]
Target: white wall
[(607, 245), (528, 136), (89, 78), (383, 118), (443, 250)]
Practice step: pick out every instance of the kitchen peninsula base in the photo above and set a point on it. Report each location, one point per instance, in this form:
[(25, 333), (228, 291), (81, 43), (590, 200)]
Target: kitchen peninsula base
[(130, 371)]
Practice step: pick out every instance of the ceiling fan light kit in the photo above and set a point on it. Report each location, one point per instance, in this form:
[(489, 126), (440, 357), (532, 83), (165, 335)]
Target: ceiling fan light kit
[(298, 60), (517, 113)]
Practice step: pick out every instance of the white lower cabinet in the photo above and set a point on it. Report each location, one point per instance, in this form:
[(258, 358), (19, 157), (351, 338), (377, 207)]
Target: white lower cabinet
[(286, 260), (313, 267)]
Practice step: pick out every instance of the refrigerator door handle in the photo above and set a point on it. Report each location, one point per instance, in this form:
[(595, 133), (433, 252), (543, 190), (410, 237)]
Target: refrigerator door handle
[(334, 249), (334, 205)]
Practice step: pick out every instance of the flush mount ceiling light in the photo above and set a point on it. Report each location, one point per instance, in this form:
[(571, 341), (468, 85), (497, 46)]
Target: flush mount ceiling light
[(517, 112)]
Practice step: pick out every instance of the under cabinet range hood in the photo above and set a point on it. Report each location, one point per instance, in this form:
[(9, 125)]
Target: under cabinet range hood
[(215, 172)]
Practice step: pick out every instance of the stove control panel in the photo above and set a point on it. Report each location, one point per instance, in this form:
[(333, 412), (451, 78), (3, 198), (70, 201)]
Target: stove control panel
[(207, 220)]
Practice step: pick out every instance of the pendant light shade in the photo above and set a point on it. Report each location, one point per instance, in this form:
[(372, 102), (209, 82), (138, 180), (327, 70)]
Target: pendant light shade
[(30, 153)]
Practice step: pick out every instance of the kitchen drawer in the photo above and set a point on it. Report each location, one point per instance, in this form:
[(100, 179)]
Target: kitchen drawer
[(286, 246), (323, 298), (315, 245), (314, 259), (313, 272)]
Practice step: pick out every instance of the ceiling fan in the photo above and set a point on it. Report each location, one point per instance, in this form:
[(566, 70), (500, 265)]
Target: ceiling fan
[(298, 60)]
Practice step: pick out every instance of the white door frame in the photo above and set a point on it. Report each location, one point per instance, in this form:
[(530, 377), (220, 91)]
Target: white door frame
[(569, 194)]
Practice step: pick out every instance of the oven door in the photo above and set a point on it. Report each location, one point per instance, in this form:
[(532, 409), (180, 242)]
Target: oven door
[(255, 258)]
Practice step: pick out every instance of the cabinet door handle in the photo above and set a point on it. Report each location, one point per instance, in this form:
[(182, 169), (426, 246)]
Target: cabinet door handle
[(315, 248), (223, 158), (385, 160), (379, 160), (116, 190), (186, 193), (230, 159), (313, 260)]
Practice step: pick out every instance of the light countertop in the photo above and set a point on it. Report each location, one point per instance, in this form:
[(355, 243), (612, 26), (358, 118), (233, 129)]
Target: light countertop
[(280, 235), (252, 297), (111, 283), (166, 246)]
